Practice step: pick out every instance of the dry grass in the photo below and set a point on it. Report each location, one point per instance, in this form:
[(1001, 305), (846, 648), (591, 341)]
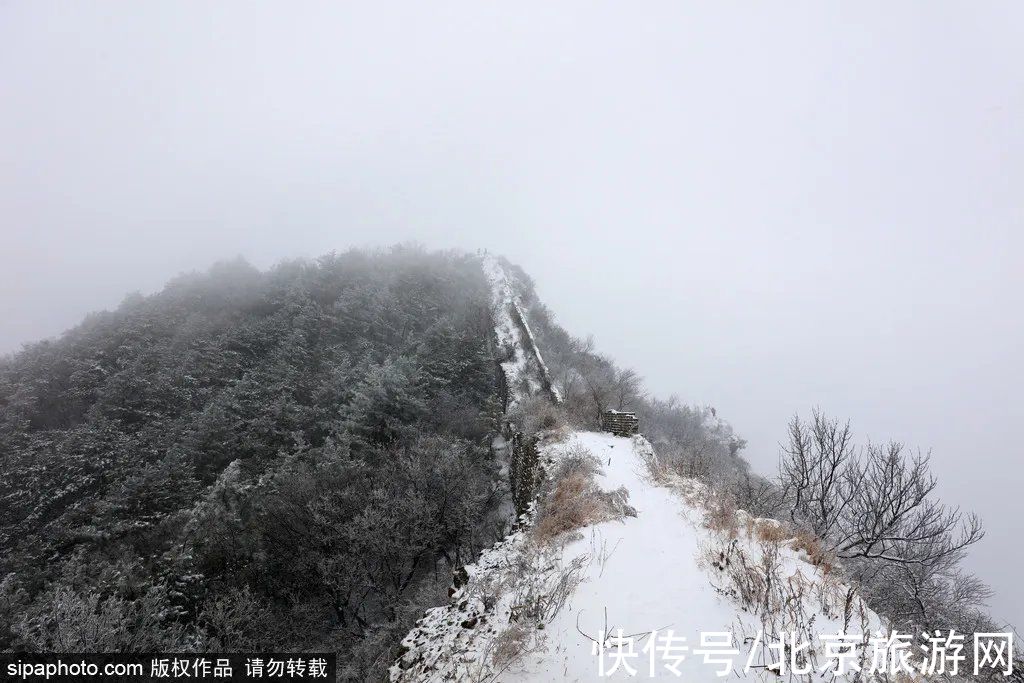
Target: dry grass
[(752, 579), (756, 578), (570, 506), (543, 583), (769, 531), (536, 415), (720, 515), (558, 434), (576, 460), (507, 648), (512, 644), (810, 544), (748, 560), (574, 499), (577, 502)]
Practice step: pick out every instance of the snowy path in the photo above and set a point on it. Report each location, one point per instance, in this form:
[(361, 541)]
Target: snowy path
[(655, 580), (647, 572), (651, 581)]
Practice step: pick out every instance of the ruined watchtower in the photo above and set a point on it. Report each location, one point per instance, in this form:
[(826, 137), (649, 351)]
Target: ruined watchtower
[(620, 423)]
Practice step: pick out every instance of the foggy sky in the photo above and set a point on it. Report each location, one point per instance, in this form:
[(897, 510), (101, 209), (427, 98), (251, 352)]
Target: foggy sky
[(804, 204)]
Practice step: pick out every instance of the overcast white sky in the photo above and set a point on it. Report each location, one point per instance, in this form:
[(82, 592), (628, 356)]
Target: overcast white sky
[(804, 203)]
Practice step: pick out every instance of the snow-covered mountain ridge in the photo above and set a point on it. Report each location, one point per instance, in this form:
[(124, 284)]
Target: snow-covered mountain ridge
[(523, 367), (693, 583), (663, 571)]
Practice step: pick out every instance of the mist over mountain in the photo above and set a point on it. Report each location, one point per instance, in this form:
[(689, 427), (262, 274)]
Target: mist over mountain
[(301, 459), (802, 204)]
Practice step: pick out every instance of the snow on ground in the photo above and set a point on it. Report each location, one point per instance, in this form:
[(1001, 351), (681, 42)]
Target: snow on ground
[(651, 581), (654, 580), (515, 337), (508, 333), (534, 611), (641, 574)]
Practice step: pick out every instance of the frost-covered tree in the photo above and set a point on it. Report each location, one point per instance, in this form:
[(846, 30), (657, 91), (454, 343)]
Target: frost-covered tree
[(299, 450), (875, 509)]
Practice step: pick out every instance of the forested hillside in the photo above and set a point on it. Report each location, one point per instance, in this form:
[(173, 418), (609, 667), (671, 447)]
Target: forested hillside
[(247, 460), (299, 459)]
